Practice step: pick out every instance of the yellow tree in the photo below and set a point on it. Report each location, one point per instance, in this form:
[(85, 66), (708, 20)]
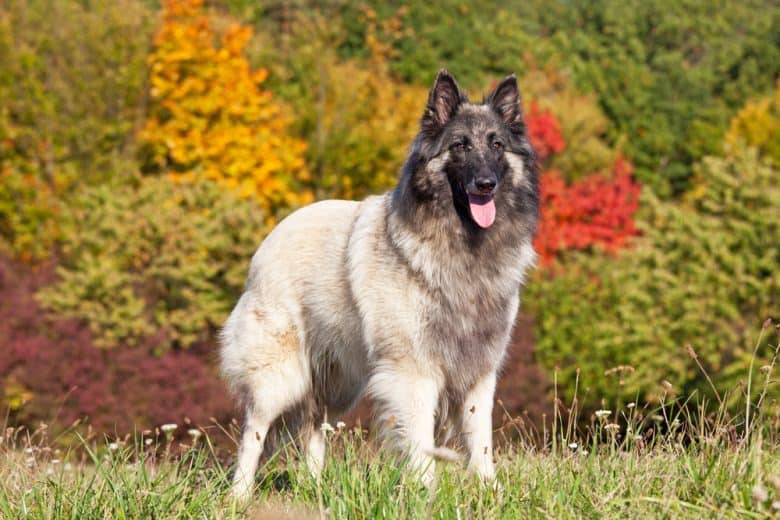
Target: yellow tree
[(209, 118)]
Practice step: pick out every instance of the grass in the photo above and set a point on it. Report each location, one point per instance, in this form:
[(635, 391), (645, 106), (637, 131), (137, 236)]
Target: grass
[(669, 460), (670, 479)]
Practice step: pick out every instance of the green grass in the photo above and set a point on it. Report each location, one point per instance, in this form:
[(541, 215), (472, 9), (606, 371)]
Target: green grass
[(687, 472), (671, 459)]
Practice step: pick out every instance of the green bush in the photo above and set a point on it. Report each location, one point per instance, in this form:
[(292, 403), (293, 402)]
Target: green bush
[(27, 209), (72, 85), (668, 74), (705, 274), (158, 258)]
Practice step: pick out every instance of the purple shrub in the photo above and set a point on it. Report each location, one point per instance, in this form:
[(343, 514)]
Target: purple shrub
[(51, 371)]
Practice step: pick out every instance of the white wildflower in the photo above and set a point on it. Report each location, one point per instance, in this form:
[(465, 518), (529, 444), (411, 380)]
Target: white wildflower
[(167, 428), (148, 442), (55, 461), (612, 427), (30, 461), (113, 446), (760, 494), (341, 425), (630, 405), (194, 433), (603, 413), (28, 450), (573, 446), (326, 427)]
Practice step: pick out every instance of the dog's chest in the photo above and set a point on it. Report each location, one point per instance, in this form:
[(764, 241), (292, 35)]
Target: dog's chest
[(466, 330)]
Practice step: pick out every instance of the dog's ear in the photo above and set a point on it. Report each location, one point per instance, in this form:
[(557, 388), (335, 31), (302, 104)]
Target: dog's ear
[(505, 100), (443, 102)]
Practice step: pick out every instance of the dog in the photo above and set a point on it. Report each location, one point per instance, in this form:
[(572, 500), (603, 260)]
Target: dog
[(409, 296)]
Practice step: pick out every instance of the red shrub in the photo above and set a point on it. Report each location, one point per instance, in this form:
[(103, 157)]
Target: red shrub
[(597, 210), (50, 370), (544, 132)]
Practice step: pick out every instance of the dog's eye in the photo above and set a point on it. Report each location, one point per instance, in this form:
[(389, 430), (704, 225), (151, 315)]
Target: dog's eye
[(497, 145)]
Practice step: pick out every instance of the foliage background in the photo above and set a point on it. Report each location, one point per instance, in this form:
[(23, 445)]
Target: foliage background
[(146, 149)]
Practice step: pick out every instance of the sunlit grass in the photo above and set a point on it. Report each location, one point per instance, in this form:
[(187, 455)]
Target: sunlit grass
[(669, 459)]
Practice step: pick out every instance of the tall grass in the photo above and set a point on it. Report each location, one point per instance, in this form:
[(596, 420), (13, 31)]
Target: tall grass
[(668, 459)]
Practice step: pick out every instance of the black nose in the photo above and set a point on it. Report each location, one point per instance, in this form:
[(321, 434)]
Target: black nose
[(485, 184)]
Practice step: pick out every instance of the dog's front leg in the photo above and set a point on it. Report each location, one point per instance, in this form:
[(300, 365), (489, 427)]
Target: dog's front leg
[(478, 426), (408, 404)]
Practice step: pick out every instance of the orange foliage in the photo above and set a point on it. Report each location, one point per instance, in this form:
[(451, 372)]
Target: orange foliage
[(209, 118)]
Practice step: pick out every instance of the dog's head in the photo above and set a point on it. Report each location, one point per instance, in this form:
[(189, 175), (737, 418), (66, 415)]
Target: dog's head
[(474, 158)]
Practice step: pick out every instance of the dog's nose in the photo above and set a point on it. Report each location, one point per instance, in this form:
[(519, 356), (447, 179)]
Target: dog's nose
[(485, 184)]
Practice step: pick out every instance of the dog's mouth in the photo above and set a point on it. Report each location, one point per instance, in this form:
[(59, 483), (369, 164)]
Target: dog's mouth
[(483, 209)]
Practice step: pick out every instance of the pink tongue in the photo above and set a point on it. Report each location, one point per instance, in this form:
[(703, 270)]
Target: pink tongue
[(483, 210)]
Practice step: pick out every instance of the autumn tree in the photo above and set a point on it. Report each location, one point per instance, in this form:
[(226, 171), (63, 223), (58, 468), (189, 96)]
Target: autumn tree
[(594, 211), (356, 115), (209, 118), (757, 124)]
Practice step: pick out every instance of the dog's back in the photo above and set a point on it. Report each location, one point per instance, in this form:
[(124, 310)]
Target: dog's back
[(297, 296)]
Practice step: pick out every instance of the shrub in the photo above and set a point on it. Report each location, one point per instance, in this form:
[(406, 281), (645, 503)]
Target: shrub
[(356, 116), (70, 93), (53, 373), (667, 74), (596, 211), (758, 124), (28, 206), (544, 132), (583, 128), (704, 275), (209, 118), (474, 43), (159, 258)]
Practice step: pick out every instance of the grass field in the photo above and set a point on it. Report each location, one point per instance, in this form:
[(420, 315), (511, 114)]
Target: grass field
[(666, 460), (685, 473)]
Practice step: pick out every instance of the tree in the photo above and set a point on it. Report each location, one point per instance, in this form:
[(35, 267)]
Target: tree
[(209, 119)]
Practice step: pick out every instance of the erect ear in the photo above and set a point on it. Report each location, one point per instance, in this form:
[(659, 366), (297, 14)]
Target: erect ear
[(506, 101), (443, 102)]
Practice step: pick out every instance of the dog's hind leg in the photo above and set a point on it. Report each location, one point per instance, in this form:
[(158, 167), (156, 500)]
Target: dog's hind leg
[(252, 442), (274, 391), (262, 358)]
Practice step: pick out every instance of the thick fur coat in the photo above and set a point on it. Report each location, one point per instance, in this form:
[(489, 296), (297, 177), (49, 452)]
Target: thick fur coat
[(410, 296)]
